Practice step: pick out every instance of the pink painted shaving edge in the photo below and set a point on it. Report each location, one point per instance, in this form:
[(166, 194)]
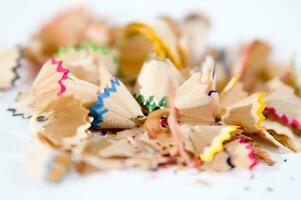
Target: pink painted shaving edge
[(65, 72), (252, 153), (290, 122)]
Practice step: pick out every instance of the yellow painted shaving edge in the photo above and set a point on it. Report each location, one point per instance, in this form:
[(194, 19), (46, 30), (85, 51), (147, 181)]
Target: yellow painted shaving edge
[(217, 143), (231, 83), (160, 46), (150, 34), (259, 112)]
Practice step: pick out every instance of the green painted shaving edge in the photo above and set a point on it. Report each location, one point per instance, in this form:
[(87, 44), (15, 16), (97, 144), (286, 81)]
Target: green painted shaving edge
[(150, 102), (96, 48)]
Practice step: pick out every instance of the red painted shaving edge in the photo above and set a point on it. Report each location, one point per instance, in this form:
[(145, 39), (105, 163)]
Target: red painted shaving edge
[(282, 117), (252, 153), (65, 72)]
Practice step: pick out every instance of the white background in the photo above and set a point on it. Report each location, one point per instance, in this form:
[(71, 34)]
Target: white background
[(232, 21)]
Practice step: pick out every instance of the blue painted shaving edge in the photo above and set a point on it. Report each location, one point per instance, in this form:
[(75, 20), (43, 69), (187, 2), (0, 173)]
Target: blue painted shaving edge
[(98, 110)]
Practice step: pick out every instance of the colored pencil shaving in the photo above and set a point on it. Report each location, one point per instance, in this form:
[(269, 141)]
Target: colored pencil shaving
[(150, 95)]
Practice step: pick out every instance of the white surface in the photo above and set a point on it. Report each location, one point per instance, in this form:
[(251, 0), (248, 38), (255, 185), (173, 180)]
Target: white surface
[(232, 22)]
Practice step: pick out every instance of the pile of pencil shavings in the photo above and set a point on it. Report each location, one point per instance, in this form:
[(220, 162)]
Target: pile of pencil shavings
[(153, 95)]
